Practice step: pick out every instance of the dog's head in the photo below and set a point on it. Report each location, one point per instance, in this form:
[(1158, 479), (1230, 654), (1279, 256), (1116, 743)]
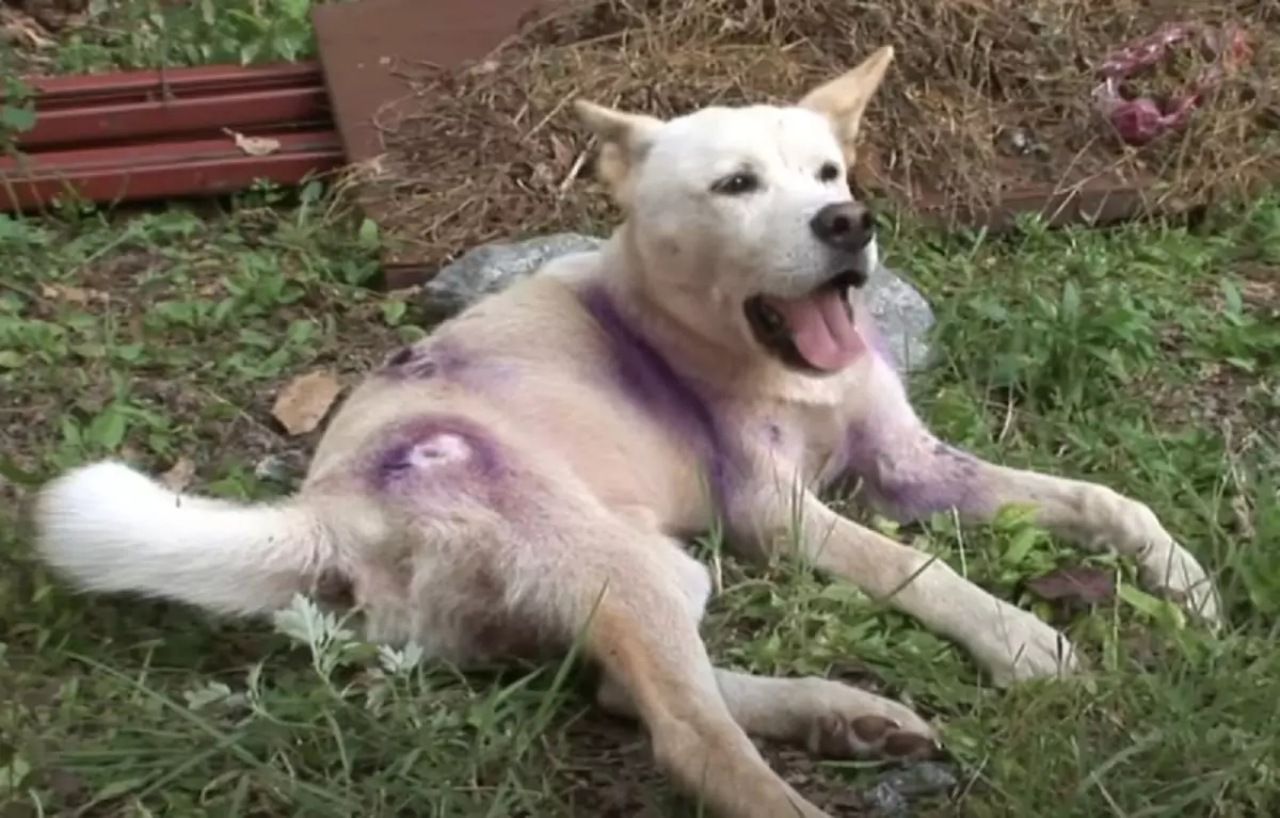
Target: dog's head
[(741, 219)]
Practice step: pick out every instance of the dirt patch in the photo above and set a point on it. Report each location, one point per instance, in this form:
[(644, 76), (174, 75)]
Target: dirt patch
[(606, 769), (25, 23), (986, 98)]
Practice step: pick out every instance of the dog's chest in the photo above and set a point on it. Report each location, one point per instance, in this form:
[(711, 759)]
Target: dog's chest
[(804, 441)]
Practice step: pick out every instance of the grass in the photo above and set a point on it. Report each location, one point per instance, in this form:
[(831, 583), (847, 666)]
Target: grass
[(1146, 357), (167, 335)]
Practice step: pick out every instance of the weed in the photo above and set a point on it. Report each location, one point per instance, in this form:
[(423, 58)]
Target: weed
[(167, 336), (1146, 357)]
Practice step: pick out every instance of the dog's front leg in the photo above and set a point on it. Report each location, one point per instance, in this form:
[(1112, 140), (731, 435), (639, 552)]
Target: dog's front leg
[(908, 473), (1009, 642)]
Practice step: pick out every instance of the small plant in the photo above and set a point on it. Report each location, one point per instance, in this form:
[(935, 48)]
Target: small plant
[(17, 111)]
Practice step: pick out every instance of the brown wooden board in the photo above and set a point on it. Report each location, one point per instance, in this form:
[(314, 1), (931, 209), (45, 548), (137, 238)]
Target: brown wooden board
[(365, 46)]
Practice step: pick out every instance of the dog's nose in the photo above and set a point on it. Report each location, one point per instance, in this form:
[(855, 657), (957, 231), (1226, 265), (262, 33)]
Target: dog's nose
[(847, 226)]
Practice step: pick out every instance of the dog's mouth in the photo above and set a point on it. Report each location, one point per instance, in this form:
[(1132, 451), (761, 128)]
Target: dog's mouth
[(814, 332)]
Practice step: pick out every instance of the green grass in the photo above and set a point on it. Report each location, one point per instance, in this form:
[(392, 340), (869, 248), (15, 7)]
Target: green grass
[(115, 35), (153, 33), (1145, 357)]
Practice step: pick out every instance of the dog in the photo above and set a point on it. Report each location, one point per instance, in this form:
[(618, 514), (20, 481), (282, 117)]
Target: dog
[(525, 475)]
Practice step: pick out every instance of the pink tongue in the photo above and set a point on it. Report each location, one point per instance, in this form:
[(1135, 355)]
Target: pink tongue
[(820, 325)]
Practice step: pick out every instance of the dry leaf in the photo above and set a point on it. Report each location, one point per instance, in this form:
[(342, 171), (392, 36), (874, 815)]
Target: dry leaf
[(562, 154), (179, 475), (481, 68), (305, 401), (544, 177), (1092, 586), (73, 295), (1244, 517), (24, 29), (254, 145)]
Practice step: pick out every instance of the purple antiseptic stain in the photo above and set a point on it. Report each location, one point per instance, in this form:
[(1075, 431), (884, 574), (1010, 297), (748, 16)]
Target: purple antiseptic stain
[(438, 450), (874, 338), (878, 344), (910, 478), (423, 360), (648, 379)]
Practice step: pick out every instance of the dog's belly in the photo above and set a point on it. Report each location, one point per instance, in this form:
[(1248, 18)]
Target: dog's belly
[(623, 455)]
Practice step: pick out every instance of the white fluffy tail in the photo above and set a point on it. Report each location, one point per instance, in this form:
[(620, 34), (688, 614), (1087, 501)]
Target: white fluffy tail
[(108, 527)]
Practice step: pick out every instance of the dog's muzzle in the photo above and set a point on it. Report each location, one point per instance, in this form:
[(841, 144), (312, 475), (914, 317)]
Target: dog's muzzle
[(815, 332)]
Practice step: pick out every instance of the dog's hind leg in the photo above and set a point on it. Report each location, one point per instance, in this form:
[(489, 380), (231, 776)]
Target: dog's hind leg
[(642, 627), (830, 719)]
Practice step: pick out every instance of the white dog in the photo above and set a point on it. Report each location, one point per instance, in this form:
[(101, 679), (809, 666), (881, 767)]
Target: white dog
[(527, 473)]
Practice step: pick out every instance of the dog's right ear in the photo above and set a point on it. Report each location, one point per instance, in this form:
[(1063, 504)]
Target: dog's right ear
[(624, 139)]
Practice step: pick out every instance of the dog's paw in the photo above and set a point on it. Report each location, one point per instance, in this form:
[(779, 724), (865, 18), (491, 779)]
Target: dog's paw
[(837, 736), (852, 723), (1164, 566), (1175, 573), (1015, 645)]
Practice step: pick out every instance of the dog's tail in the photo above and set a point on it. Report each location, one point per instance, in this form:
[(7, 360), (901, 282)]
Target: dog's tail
[(107, 527)]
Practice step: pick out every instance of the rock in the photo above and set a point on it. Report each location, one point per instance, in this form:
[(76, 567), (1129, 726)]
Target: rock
[(273, 468), (490, 268), (894, 791), (903, 316), (902, 313)]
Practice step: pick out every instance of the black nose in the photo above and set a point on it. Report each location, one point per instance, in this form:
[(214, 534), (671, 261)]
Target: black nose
[(847, 226)]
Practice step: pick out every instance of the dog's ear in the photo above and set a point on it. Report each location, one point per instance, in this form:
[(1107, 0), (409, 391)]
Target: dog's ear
[(624, 139), (844, 99)]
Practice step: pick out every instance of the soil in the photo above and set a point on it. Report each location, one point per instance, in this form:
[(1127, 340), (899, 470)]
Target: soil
[(989, 105), (52, 14)]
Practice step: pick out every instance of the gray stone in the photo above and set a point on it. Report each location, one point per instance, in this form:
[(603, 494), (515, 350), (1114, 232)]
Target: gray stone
[(902, 313), (904, 317), (894, 791), (490, 268)]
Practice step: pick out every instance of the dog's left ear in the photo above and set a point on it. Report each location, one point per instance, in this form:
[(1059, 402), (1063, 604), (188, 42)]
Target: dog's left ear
[(624, 138), (844, 99)]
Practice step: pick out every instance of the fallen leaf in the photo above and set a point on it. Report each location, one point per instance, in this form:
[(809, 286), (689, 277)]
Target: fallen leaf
[(304, 402), (72, 295), (544, 177), (254, 145), (1243, 512), (562, 153), (1092, 586), (481, 68), (24, 28), (179, 475)]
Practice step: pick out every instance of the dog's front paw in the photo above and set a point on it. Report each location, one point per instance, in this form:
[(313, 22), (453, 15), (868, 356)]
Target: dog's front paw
[(1164, 566), (1015, 645), (1174, 572)]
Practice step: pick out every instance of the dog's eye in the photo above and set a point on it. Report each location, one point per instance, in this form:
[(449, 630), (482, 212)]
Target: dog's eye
[(829, 172), (737, 184)]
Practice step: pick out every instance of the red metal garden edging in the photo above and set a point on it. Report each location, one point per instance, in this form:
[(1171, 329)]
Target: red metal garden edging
[(147, 120), (159, 133), (164, 169)]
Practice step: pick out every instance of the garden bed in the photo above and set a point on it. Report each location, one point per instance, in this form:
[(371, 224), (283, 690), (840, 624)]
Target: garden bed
[(989, 110)]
